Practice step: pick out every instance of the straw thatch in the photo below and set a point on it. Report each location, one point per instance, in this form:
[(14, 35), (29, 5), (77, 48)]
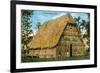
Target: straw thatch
[(49, 35)]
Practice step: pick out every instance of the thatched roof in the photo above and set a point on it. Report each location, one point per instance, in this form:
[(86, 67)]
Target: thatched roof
[(49, 35)]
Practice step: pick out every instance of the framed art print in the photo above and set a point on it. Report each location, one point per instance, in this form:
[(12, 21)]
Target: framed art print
[(52, 36)]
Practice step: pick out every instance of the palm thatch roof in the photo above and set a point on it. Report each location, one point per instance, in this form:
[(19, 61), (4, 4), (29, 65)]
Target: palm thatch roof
[(49, 35)]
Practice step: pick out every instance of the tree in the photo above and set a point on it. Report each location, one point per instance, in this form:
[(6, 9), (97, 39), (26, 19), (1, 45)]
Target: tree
[(88, 28), (25, 27), (83, 24), (38, 25), (88, 25), (77, 20)]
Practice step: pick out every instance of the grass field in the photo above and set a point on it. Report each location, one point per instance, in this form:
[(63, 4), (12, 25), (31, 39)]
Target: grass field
[(30, 59)]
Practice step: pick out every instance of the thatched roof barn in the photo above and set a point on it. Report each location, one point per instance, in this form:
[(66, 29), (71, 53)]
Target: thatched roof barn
[(49, 36)]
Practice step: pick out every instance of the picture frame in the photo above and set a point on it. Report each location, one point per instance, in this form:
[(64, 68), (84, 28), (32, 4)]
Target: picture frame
[(17, 65)]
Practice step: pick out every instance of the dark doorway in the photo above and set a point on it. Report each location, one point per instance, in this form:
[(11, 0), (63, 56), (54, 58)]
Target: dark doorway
[(70, 50)]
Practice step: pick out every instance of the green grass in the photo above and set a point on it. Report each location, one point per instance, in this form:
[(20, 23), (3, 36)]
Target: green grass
[(29, 59)]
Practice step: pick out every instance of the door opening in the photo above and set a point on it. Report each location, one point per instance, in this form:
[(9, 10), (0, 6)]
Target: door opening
[(70, 50)]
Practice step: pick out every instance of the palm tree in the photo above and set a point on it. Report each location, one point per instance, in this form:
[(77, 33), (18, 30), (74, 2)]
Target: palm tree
[(77, 20)]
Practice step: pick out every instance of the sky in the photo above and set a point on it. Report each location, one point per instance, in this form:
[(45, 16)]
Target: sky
[(44, 16)]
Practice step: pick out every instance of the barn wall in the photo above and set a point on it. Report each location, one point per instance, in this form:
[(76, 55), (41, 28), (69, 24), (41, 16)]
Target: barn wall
[(70, 36)]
